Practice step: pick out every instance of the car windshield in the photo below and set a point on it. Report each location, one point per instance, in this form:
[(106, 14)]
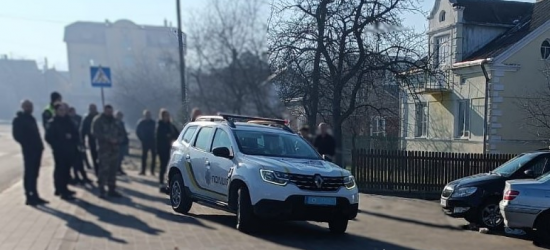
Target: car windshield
[(274, 144), (510, 167)]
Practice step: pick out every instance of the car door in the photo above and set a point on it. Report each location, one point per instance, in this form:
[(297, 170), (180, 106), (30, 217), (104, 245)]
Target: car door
[(220, 166), (199, 167)]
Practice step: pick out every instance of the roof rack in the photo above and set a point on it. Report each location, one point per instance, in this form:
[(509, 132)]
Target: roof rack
[(232, 118)]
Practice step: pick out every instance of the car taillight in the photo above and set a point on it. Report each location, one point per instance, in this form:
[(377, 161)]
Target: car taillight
[(510, 195)]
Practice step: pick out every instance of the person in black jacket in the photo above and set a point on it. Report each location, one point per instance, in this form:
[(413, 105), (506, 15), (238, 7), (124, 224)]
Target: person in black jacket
[(86, 132), (145, 131), (80, 176), (25, 132), (62, 136), (324, 142), (166, 134)]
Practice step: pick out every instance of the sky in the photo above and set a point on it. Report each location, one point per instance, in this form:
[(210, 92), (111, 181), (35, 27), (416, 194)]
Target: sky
[(33, 29)]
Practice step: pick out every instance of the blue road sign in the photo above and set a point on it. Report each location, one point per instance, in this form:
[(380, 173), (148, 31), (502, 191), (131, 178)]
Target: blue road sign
[(101, 77)]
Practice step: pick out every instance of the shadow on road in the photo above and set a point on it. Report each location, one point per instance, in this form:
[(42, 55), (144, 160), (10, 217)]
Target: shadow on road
[(148, 182), (115, 218), (307, 236), (427, 224), (81, 226), (168, 216), (137, 194)]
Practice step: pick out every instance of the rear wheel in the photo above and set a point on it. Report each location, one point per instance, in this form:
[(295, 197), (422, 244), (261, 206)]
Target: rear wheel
[(489, 215), (179, 199), (246, 220), (542, 226), (338, 226)]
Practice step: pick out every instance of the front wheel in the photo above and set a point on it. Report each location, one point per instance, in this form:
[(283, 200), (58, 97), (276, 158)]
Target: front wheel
[(489, 216), (246, 220), (179, 199), (338, 226)]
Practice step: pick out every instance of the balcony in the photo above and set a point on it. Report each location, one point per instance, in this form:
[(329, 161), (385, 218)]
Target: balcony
[(432, 88)]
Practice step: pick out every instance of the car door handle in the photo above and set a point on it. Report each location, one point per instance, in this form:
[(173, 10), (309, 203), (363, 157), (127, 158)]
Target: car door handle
[(188, 157), (207, 163)]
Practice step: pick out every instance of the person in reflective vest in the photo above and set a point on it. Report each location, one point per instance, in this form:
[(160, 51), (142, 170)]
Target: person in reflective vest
[(49, 111)]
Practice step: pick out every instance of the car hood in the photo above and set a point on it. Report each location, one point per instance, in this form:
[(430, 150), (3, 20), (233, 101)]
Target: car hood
[(297, 166), (477, 179)]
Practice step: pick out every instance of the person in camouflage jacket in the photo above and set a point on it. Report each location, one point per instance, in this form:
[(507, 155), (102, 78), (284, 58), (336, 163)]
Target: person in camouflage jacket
[(109, 136)]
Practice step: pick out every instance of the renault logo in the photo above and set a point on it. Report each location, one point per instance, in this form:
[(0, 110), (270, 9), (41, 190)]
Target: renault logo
[(318, 181)]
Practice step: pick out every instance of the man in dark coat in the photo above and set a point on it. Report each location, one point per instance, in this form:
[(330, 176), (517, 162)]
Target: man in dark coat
[(80, 176), (25, 132), (49, 111), (62, 136), (145, 131), (166, 134), (324, 142), (86, 132)]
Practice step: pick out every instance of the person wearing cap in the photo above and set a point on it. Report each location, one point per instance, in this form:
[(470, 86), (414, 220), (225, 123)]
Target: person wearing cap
[(62, 136), (49, 111), (25, 132)]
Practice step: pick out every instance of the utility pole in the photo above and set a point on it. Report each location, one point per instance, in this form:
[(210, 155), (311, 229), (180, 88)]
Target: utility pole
[(182, 65)]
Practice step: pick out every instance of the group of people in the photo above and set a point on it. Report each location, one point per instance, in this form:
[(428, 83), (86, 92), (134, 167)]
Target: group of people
[(323, 142), (66, 133)]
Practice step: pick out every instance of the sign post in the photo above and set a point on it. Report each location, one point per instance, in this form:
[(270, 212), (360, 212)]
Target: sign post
[(101, 78)]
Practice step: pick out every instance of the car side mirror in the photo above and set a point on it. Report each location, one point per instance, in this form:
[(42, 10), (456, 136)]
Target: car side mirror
[(222, 152), (529, 173), (327, 158)]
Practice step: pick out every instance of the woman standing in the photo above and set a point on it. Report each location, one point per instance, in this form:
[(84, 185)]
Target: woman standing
[(166, 134)]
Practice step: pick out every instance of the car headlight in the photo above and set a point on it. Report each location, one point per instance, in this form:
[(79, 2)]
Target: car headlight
[(349, 182), (464, 191), (274, 177)]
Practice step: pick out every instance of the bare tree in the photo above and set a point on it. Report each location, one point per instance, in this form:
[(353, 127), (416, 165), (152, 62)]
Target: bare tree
[(148, 84), (339, 46), (228, 48), (536, 107)]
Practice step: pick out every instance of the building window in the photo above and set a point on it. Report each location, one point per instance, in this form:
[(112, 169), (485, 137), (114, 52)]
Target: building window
[(463, 119), (378, 126), (442, 51), (545, 50), (442, 16), (421, 120)]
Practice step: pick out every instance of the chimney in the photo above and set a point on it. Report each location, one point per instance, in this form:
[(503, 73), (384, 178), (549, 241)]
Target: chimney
[(541, 14)]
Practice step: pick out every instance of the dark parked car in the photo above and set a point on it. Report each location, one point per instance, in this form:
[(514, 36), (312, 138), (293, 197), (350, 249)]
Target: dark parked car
[(476, 198)]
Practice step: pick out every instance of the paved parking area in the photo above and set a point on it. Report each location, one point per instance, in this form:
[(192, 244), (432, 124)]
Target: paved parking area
[(144, 220)]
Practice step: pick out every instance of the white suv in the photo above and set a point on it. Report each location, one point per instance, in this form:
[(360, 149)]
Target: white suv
[(258, 169)]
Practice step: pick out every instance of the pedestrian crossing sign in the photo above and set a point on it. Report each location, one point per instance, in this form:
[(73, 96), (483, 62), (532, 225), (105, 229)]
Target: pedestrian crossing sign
[(101, 77)]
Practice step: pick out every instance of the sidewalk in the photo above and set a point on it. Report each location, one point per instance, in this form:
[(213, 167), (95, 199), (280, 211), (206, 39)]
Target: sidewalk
[(142, 219)]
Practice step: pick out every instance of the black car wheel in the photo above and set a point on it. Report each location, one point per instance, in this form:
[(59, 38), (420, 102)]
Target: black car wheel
[(180, 201), (489, 215), (542, 233), (338, 226), (246, 220)]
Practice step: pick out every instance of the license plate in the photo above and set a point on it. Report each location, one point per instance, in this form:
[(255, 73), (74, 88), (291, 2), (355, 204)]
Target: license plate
[(443, 203), (320, 201)]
